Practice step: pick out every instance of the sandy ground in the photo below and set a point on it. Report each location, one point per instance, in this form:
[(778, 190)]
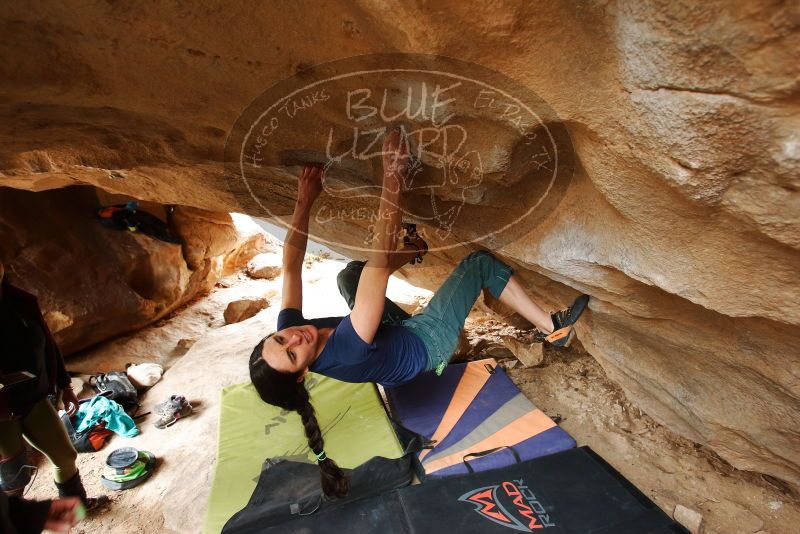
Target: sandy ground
[(202, 355)]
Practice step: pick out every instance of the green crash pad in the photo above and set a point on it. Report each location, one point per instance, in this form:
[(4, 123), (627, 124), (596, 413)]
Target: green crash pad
[(353, 421)]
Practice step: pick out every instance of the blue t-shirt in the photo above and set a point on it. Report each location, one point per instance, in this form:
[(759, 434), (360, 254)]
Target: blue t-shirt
[(395, 356)]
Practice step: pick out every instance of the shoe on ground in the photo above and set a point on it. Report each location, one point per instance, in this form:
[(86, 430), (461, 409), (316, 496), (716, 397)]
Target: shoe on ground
[(169, 411), (173, 403), (74, 488)]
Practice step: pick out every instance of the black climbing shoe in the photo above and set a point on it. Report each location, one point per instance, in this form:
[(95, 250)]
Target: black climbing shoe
[(563, 320), (539, 336), (412, 238)]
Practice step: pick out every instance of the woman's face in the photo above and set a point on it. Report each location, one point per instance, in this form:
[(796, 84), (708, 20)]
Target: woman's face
[(292, 349)]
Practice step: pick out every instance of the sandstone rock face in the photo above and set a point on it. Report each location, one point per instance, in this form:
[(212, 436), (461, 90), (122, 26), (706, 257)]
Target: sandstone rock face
[(205, 234), (241, 310), (682, 218), (252, 240), (93, 282), (689, 518), (528, 354), (265, 266)]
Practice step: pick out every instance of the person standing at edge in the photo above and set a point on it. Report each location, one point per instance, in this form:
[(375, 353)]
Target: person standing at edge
[(27, 346)]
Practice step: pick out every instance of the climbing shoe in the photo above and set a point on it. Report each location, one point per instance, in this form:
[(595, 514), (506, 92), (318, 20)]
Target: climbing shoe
[(412, 238), (563, 321), (74, 488)]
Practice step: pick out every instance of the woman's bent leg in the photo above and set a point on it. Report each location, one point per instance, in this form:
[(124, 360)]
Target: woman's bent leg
[(515, 297), (348, 278), (44, 430), (440, 324)]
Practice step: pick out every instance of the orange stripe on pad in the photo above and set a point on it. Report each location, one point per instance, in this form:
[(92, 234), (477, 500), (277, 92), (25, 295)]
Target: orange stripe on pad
[(530, 424), (474, 378)]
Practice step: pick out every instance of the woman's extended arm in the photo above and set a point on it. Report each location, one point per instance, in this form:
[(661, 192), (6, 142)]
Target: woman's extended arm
[(368, 308), (309, 186)]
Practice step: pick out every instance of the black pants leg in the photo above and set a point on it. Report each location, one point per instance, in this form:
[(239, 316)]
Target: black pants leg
[(348, 283)]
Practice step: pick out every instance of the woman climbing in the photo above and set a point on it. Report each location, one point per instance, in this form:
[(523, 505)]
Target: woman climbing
[(378, 342)]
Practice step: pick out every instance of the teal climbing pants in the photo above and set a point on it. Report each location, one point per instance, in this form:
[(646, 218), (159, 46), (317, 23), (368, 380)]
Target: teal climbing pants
[(439, 324)]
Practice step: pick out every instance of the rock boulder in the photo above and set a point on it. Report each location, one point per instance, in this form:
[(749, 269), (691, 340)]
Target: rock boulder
[(243, 309), (266, 265), (93, 282)]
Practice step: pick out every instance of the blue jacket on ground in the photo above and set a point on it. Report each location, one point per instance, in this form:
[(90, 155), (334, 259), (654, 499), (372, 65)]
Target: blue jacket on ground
[(104, 409)]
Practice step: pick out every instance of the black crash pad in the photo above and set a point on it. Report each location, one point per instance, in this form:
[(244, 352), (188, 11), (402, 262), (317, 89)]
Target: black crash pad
[(573, 491)]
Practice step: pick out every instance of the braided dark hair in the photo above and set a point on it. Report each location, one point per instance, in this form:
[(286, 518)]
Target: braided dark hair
[(283, 390)]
